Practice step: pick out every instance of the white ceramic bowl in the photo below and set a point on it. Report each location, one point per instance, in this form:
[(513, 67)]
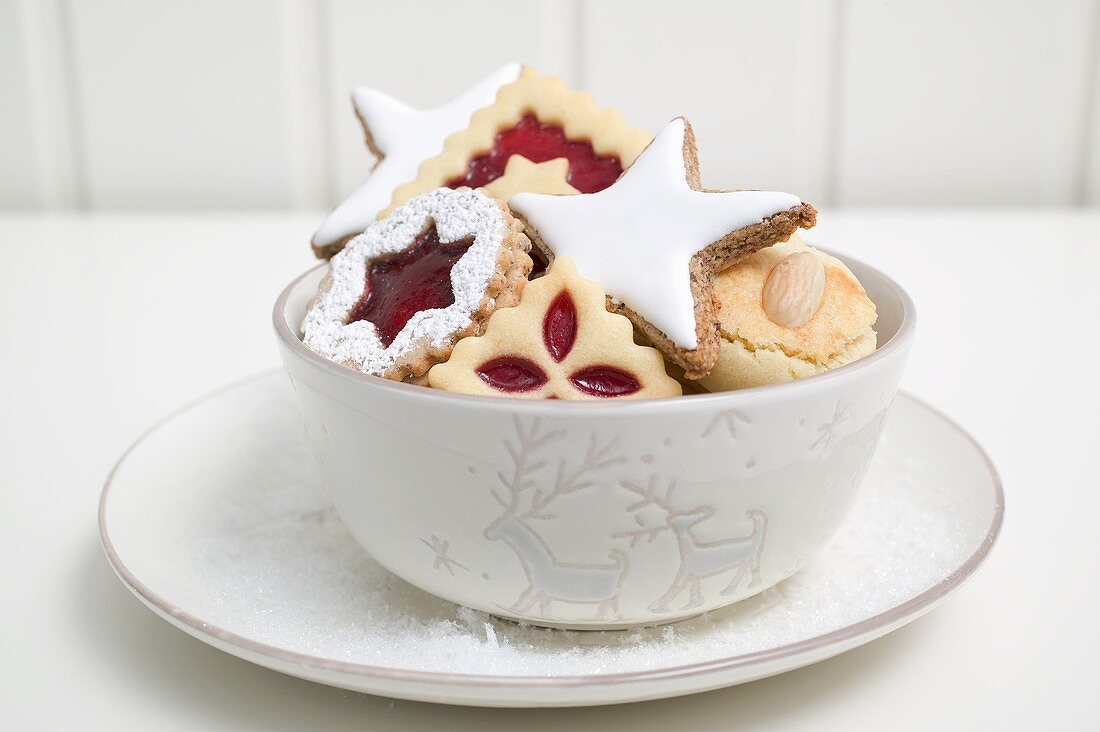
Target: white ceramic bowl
[(595, 515)]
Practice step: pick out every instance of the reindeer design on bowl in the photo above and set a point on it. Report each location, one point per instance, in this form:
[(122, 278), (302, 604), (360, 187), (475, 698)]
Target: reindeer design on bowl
[(523, 502), (698, 559)]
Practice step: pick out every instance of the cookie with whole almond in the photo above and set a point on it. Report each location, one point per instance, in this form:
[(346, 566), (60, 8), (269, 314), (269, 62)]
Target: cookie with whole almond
[(786, 312), (400, 294)]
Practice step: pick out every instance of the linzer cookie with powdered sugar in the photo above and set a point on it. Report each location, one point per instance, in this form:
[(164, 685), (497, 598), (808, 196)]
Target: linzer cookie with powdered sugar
[(400, 294)]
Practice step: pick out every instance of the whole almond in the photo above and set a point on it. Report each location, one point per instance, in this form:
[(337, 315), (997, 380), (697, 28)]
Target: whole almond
[(793, 290)]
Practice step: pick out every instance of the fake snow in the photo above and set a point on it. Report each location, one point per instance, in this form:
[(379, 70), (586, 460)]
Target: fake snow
[(277, 566)]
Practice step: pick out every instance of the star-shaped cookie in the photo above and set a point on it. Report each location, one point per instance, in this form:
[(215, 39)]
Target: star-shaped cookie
[(402, 138), (655, 239)]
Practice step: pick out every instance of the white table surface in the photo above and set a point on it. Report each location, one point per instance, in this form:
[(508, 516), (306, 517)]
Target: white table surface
[(109, 322)]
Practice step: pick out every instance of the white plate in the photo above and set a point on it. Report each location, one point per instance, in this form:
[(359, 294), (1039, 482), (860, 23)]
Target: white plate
[(217, 521)]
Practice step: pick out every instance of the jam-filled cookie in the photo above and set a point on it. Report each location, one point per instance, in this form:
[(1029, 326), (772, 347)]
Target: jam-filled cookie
[(400, 294), (560, 342), (655, 238), (539, 119)]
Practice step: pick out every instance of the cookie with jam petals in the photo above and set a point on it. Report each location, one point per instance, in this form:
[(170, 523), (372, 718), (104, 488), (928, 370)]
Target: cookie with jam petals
[(560, 342), (539, 119), (400, 294)]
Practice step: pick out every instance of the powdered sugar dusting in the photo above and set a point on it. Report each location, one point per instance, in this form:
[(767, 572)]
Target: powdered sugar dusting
[(276, 565), (457, 214)]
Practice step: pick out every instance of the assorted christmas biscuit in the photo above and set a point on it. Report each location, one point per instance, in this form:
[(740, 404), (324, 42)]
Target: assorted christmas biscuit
[(655, 239), (401, 138), (537, 118), (400, 294), (785, 312), (520, 174), (637, 271), (560, 342)]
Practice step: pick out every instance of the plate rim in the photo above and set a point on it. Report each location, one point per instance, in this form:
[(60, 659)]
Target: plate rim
[(873, 626)]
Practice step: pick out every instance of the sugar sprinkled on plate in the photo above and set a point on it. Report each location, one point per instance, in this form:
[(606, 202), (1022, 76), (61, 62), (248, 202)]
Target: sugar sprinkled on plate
[(284, 571)]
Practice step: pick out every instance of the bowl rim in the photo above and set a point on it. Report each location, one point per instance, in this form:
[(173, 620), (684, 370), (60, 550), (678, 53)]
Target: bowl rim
[(898, 342)]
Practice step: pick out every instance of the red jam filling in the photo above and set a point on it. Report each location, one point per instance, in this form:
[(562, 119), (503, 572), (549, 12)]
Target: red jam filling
[(512, 373), (402, 284), (538, 142), (605, 381), (559, 333), (559, 326)]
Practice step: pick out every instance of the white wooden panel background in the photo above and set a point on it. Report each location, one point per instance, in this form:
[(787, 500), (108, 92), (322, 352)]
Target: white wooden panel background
[(1089, 179), (141, 104)]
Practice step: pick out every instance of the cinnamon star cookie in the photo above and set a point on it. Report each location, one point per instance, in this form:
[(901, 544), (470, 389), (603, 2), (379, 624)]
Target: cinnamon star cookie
[(402, 138), (655, 239)]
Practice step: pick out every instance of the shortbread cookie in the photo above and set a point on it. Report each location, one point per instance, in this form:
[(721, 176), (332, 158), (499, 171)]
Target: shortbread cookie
[(655, 239), (520, 174), (401, 293), (401, 138), (539, 119), (786, 312), (560, 342)]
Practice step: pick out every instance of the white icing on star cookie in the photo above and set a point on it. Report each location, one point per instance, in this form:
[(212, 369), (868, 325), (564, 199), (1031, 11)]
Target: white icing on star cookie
[(489, 273), (637, 237), (405, 138)]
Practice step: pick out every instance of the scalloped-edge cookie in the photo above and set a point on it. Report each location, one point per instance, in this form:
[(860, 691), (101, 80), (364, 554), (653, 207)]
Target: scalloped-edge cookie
[(540, 119), (560, 342), (400, 294), (520, 174)]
